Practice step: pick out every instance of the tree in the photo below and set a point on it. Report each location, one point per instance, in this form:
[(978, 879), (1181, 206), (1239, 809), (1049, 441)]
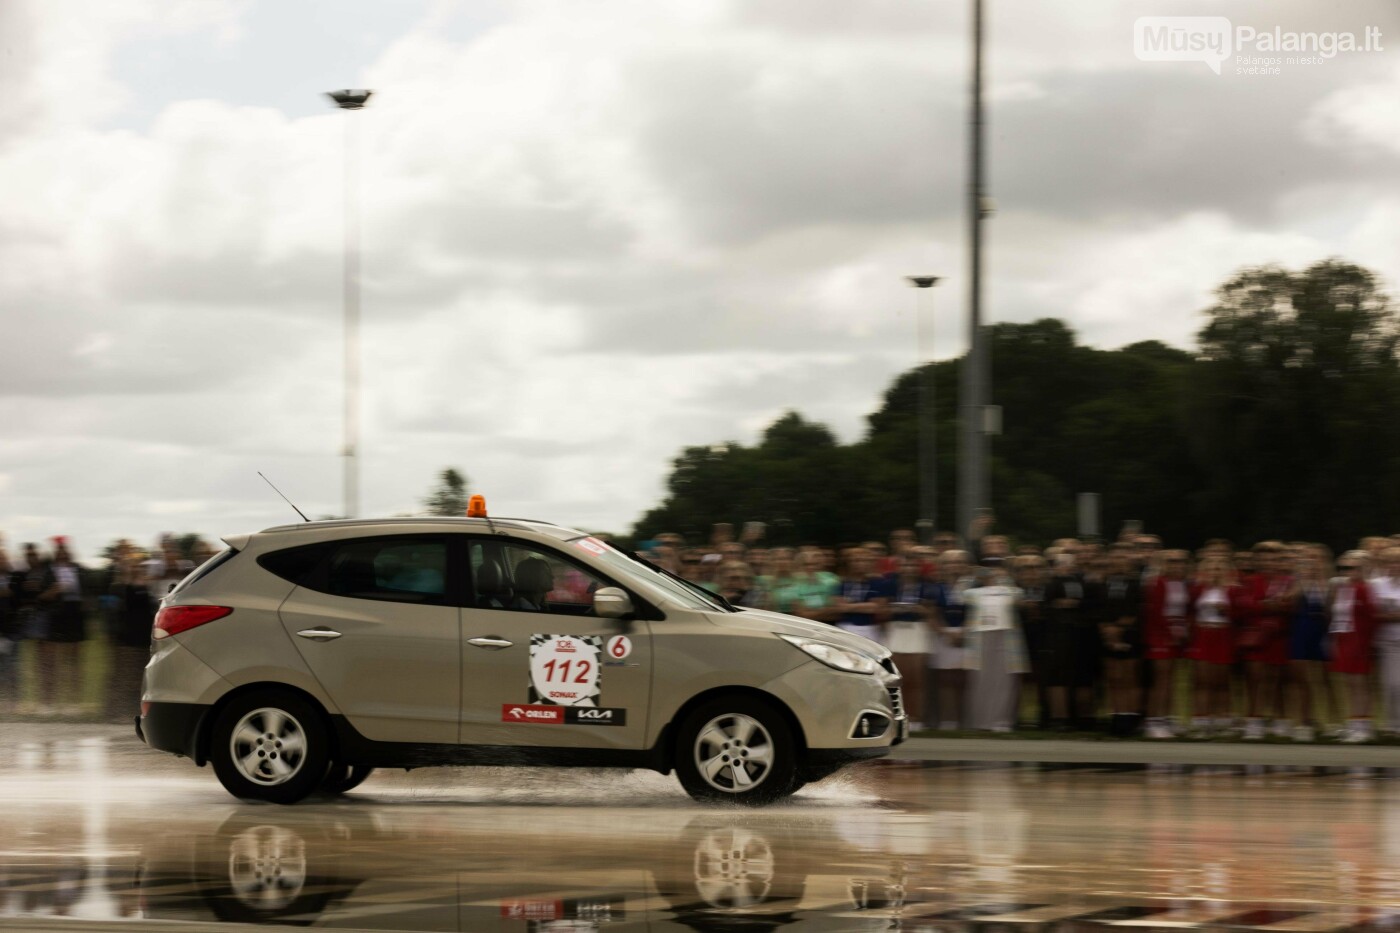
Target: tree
[(1293, 404), (1283, 425), (796, 479), (449, 497)]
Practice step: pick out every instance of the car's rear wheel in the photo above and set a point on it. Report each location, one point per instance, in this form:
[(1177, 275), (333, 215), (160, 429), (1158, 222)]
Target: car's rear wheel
[(271, 745), (737, 748), (342, 778)]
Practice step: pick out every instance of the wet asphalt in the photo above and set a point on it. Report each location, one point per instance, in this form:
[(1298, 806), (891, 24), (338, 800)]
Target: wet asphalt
[(96, 831)]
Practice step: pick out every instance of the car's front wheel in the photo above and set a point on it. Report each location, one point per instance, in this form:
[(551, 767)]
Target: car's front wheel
[(271, 745), (738, 748)]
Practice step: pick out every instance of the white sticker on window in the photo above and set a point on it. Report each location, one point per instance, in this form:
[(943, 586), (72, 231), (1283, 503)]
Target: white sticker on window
[(564, 669)]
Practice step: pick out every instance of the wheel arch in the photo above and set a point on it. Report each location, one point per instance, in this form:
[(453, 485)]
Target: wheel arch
[(205, 728), (672, 728)]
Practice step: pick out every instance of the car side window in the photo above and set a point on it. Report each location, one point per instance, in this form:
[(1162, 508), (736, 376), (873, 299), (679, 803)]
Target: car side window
[(523, 578), (399, 569)]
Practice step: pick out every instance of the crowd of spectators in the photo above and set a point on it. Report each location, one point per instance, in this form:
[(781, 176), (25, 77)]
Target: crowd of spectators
[(51, 608), (1281, 639)]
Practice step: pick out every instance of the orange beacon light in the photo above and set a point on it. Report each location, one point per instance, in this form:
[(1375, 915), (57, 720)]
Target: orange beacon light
[(476, 507)]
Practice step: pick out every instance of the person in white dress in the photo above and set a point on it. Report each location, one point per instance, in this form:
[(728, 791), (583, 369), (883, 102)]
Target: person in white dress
[(1385, 588), (996, 651), (909, 630)]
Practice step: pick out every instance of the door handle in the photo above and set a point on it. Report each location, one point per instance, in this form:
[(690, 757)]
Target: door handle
[(320, 634), (492, 642)]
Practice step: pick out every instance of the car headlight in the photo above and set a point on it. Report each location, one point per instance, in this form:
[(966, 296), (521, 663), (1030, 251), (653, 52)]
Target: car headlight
[(843, 659)]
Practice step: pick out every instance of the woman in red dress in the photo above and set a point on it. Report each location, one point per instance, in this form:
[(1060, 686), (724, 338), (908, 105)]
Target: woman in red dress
[(1351, 628), (1263, 641), (1216, 607)]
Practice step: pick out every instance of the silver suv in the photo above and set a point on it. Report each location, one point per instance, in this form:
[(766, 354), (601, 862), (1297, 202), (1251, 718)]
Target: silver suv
[(304, 656)]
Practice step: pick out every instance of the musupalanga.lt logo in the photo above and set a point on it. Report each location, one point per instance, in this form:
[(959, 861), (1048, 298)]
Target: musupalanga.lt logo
[(1214, 39)]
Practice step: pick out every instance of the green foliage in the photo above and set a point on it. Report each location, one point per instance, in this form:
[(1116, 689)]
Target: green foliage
[(1293, 404), (1284, 424), (449, 497)]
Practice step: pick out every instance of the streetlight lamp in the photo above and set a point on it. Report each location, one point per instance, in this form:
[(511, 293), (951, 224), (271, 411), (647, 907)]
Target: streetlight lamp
[(351, 100), (927, 522)]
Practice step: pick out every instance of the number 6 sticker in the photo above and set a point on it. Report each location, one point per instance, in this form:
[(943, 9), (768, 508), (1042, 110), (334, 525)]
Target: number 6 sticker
[(619, 647)]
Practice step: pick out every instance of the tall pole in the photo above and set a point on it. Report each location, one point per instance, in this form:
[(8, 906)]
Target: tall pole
[(973, 492), (352, 100), (352, 321), (928, 412)]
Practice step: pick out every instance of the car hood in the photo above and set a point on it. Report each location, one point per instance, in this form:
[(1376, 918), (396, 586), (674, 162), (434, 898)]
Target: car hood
[(780, 624)]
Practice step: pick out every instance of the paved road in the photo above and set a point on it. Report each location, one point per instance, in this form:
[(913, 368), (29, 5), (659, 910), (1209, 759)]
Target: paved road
[(96, 831), (121, 738)]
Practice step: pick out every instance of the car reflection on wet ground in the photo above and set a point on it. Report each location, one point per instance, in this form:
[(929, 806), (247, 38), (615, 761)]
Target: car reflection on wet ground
[(92, 832)]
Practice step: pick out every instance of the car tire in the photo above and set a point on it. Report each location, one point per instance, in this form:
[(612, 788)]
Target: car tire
[(738, 749), (342, 778), (268, 872), (739, 867), (271, 745)]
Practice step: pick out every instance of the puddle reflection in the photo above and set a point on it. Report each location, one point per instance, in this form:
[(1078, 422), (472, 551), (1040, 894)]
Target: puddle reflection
[(961, 849)]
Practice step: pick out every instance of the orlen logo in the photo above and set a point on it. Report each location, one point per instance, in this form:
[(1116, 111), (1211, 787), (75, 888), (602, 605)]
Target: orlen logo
[(521, 712)]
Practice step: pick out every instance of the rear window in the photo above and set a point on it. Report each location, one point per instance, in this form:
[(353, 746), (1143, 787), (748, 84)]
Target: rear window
[(206, 568), (294, 564)]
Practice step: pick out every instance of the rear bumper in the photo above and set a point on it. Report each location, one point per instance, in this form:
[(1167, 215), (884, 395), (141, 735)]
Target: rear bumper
[(173, 727)]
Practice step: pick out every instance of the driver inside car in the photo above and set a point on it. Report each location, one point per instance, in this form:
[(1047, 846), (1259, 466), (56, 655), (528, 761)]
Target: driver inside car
[(533, 580)]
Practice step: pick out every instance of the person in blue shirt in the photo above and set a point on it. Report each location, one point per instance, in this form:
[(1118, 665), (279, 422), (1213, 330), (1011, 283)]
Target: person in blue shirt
[(862, 602), (909, 632)]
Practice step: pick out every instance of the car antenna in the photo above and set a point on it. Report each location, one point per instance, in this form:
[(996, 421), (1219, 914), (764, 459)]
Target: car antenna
[(288, 501)]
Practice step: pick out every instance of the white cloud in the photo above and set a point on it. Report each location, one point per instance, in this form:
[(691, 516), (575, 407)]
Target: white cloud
[(594, 234), (59, 53), (1118, 281), (1367, 115)]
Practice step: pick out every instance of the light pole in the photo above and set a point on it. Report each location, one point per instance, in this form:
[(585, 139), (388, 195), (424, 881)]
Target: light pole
[(973, 486), (352, 100), (928, 416)]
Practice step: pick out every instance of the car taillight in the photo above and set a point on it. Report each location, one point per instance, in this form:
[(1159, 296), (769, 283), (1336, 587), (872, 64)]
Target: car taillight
[(172, 620)]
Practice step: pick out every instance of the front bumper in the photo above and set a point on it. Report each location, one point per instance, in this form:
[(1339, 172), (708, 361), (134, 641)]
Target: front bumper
[(828, 705), (173, 727)]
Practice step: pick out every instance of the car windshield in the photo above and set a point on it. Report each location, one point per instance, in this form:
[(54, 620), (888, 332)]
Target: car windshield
[(688, 594)]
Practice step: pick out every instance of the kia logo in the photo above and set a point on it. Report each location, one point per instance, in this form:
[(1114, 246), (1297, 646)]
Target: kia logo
[(594, 714)]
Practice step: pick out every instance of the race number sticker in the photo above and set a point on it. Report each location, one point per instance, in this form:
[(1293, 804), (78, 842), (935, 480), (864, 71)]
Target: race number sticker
[(619, 647), (564, 669)]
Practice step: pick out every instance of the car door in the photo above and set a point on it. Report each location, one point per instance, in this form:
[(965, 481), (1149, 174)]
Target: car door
[(539, 668), (378, 623)]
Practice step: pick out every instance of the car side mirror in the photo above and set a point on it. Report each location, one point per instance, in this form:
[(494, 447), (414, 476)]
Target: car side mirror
[(611, 602)]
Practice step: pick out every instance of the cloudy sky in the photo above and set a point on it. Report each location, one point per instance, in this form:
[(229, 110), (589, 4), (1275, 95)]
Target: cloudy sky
[(596, 231)]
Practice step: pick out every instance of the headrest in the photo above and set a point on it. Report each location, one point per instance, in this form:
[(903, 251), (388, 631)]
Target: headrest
[(490, 580), (533, 575)]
